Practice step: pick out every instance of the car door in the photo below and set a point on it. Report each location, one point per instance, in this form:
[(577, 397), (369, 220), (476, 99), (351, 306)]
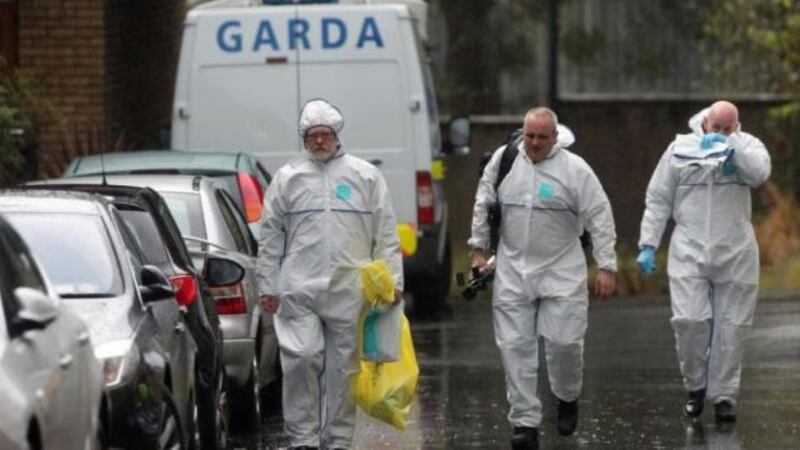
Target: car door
[(174, 336), (242, 238), (50, 359)]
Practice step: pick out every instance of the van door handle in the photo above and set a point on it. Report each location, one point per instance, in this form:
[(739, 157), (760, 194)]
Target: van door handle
[(376, 162), (65, 361)]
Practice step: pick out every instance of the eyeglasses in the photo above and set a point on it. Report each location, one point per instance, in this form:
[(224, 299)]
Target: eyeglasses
[(323, 135)]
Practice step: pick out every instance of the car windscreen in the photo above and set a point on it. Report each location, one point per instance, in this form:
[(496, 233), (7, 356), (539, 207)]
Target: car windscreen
[(75, 251), (186, 211)]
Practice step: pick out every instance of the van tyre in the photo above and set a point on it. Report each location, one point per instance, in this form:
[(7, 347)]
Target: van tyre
[(430, 297)]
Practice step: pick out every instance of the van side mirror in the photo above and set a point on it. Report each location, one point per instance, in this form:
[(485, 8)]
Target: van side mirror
[(457, 136), (223, 272), (155, 286)]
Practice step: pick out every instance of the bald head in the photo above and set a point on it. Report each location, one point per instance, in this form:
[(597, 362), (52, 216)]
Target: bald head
[(539, 133), (723, 118)]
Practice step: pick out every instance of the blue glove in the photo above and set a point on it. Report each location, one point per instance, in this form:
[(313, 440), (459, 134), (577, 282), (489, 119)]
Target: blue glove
[(647, 260), (709, 139), (729, 167)]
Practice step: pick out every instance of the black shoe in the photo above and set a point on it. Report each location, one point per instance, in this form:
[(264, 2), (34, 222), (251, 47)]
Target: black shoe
[(725, 412), (567, 417), (525, 438), (694, 406)]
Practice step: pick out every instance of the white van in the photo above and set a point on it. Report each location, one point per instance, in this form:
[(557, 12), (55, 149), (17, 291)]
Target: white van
[(246, 70)]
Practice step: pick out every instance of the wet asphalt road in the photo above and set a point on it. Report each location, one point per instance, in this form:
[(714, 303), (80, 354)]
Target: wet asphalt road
[(632, 396)]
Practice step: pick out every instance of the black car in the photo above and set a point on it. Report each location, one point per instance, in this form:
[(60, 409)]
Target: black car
[(157, 235), (137, 328)]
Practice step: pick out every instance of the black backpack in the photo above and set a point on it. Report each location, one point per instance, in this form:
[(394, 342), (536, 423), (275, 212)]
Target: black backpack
[(495, 211), (506, 161)]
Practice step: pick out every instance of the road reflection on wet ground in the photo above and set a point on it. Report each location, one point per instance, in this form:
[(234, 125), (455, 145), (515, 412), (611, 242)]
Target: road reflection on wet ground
[(632, 395)]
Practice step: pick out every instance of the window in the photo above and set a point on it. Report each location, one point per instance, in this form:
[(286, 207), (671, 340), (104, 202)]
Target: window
[(229, 214)]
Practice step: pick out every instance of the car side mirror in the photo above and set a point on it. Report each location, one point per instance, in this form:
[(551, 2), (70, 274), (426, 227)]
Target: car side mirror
[(37, 309), (457, 136), (155, 286), (223, 272)]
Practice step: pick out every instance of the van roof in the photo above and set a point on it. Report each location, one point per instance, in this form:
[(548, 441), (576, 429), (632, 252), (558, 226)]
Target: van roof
[(417, 8)]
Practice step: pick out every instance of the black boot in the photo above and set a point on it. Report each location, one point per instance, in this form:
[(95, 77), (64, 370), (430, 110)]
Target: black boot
[(694, 406), (725, 412), (525, 438), (567, 417)]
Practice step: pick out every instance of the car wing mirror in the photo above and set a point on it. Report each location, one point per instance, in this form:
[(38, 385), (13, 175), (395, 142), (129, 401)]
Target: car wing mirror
[(155, 286), (36, 307), (222, 272)]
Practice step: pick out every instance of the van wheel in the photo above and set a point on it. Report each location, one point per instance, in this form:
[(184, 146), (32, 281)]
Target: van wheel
[(430, 299)]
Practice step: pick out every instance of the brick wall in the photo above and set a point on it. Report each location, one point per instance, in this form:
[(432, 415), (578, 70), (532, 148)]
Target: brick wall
[(107, 66), (61, 48), (142, 45)]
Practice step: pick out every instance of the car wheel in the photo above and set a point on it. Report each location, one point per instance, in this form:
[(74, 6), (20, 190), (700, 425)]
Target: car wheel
[(171, 435), (246, 401), (214, 414), (194, 426)]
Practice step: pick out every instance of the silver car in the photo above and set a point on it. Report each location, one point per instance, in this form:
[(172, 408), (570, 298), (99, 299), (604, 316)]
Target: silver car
[(212, 226), (50, 381)]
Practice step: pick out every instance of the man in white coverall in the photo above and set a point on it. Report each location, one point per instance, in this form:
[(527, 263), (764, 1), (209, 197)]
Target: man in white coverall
[(703, 182), (326, 214), (548, 197)]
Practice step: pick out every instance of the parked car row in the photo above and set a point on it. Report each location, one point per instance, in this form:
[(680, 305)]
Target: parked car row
[(160, 271)]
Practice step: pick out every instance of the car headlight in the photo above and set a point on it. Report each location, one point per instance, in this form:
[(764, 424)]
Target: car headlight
[(119, 359)]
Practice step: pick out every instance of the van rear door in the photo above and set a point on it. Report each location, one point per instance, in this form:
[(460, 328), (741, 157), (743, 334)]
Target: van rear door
[(254, 68)]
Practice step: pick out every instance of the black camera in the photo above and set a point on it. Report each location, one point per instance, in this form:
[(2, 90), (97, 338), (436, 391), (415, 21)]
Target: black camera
[(481, 278)]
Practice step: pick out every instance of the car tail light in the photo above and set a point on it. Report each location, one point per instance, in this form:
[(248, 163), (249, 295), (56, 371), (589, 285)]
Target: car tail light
[(185, 289), (229, 299), (252, 196), (424, 198)]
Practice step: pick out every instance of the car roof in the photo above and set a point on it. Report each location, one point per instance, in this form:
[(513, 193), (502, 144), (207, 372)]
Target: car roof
[(160, 183), (185, 161), (33, 200)]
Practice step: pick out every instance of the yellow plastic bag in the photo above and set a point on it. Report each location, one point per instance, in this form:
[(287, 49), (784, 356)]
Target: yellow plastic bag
[(377, 283), (385, 390)]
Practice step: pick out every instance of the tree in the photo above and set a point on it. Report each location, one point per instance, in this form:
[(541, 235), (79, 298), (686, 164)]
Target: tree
[(759, 41)]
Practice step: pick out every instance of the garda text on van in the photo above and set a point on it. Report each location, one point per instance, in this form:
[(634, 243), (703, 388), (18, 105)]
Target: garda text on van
[(325, 33)]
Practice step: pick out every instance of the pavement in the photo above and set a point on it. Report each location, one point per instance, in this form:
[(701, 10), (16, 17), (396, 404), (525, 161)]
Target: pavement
[(632, 396)]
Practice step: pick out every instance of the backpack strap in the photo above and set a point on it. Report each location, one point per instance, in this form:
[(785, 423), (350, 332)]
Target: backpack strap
[(509, 155)]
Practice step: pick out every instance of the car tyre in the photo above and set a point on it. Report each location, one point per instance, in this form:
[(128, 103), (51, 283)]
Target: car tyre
[(171, 435), (246, 401)]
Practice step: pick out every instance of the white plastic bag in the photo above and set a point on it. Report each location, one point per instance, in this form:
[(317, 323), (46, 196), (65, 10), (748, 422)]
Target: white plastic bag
[(380, 334)]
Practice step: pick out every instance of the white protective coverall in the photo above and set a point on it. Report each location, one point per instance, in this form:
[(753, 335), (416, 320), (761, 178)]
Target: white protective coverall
[(713, 255), (540, 286), (322, 221)]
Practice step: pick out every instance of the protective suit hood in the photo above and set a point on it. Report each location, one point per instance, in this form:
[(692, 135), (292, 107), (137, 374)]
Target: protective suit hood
[(565, 136), (319, 112), (696, 121)]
